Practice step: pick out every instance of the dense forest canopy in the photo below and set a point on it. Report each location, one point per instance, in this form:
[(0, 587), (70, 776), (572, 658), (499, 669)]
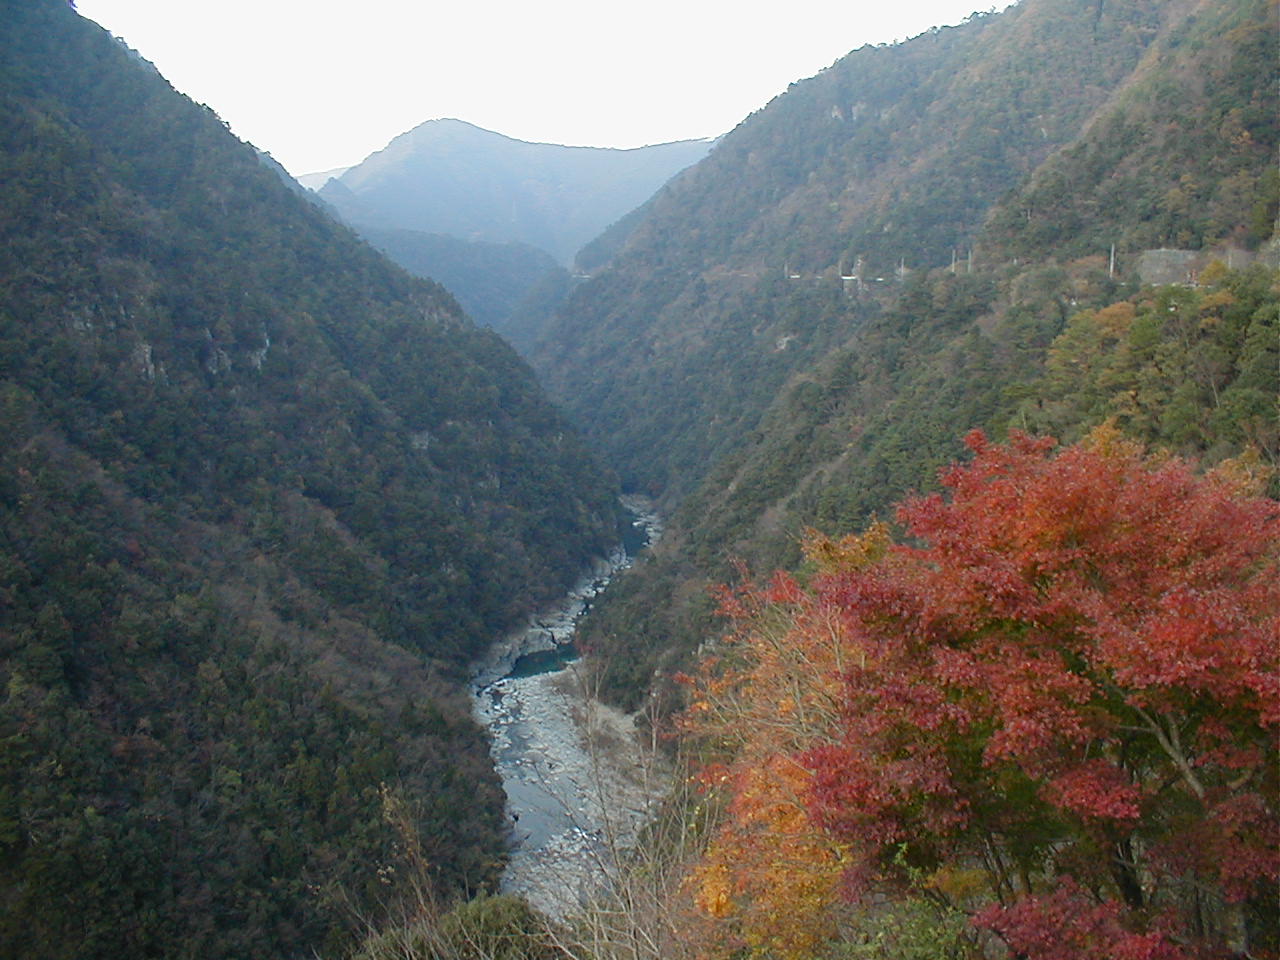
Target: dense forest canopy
[(263, 495), (1036, 714), (758, 404), (492, 281)]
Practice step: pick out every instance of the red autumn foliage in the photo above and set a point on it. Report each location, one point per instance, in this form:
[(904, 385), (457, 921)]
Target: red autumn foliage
[(1068, 924), (1067, 680)]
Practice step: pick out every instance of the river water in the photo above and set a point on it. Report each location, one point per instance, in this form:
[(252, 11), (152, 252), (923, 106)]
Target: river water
[(579, 780)]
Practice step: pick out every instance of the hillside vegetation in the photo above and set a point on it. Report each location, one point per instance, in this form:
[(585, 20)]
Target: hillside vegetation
[(491, 281), (264, 495), (1042, 724), (759, 406), (893, 156), (1033, 714)]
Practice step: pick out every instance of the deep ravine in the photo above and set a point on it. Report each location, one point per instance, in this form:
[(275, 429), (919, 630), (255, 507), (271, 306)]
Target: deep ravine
[(579, 781)]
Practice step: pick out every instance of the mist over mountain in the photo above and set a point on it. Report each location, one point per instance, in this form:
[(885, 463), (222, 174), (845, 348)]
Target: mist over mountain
[(314, 181), (450, 177), (495, 220)]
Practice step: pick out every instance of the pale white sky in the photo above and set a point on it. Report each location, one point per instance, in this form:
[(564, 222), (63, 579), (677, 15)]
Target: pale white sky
[(322, 84)]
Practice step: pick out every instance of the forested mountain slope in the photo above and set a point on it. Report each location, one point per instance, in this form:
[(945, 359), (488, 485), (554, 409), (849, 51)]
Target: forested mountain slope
[(894, 156), (1032, 712), (263, 494), (817, 402), (491, 281), (1182, 156), (497, 220)]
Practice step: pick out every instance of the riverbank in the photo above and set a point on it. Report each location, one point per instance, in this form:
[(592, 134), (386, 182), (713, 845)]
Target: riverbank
[(579, 780)]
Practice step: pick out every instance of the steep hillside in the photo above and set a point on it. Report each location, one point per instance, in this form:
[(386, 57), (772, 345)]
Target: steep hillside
[(816, 401), (1183, 156), (490, 280), (892, 157), (447, 176), (263, 495)]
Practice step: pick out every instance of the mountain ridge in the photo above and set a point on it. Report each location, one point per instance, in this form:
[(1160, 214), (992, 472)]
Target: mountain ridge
[(263, 496), (752, 375), (452, 177), (715, 244)]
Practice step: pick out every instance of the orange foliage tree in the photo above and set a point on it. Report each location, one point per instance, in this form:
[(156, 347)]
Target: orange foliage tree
[(770, 874), (1066, 683)]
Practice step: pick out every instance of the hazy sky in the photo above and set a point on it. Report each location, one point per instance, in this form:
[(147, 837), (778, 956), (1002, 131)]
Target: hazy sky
[(323, 84)]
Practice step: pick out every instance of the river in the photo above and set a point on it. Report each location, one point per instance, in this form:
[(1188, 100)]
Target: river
[(579, 780)]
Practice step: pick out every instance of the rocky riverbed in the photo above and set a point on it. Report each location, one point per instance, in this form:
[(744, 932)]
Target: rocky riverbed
[(579, 778)]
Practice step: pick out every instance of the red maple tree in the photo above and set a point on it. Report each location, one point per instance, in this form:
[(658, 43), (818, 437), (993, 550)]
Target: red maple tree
[(1067, 681)]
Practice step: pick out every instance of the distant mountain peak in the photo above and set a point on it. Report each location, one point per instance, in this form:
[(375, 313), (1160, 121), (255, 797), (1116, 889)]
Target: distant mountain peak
[(452, 125), (448, 176), (314, 181)]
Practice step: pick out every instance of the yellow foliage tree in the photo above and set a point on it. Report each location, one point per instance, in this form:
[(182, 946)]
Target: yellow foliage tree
[(768, 880)]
